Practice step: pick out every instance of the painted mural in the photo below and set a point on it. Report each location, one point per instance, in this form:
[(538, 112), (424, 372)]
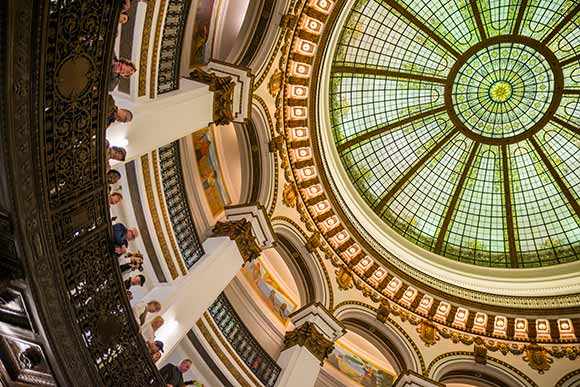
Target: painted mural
[(209, 170), (359, 369), (269, 290), (201, 32)]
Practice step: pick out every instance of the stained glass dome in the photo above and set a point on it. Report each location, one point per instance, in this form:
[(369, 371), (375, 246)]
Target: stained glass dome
[(458, 122)]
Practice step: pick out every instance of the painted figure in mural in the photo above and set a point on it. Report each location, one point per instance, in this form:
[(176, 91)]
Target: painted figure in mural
[(269, 290), (203, 16), (208, 168), (359, 369)]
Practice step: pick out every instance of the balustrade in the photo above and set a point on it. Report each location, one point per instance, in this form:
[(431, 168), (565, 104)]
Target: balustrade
[(177, 205), (248, 349), (170, 52), (54, 157)]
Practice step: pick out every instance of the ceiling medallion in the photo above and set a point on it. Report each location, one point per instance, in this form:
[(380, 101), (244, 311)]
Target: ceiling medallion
[(504, 89)]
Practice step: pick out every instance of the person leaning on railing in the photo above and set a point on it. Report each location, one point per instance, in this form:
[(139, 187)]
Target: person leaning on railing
[(122, 69), (173, 375)]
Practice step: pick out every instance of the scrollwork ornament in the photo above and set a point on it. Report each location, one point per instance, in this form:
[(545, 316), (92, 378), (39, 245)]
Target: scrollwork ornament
[(538, 358), (275, 83), (428, 333), (313, 242), (569, 352), (480, 353), (289, 195), (383, 311), (344, 278)]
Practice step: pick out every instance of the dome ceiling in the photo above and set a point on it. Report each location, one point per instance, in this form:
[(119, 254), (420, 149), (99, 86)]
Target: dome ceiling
[(457, 122)]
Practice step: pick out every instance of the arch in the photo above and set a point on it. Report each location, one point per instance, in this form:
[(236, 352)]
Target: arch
[(264, 163), (399, 348), (460, 367), (308, 272), (571, 379), (251, 161)]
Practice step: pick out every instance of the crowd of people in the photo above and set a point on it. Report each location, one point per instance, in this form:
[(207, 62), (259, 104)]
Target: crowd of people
[(146, 314)]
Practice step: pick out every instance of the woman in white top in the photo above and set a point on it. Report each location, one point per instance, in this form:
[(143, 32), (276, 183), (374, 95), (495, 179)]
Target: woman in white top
[(149, 329)]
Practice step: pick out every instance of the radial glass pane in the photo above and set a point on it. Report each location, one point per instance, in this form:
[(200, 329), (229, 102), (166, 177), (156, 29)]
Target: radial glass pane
[(569, 110), (362, 103), (572, 75), (453, 21), (541, 16), (419, 207), (563, 149), (375, 37), (565, 43), (375, 165), (498, 16), (478, 231), (545, 227)]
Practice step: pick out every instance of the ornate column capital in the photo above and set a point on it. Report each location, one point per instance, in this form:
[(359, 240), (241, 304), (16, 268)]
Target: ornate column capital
[(240, 231), (316, 330), (256, 215), (307, 336), (223, 89)]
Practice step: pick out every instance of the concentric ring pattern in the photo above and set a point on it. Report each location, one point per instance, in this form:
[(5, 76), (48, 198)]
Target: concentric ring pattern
[(458, 123)]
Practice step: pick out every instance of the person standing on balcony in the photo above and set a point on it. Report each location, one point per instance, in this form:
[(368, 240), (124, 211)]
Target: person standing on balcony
[(122, 69), (138, 280), (115, 198), (121, 238), (117, 114)]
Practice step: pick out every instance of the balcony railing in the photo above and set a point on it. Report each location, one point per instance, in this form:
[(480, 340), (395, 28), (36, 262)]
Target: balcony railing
[(53, 155), (177, 205), (170, 53), (242, 341)]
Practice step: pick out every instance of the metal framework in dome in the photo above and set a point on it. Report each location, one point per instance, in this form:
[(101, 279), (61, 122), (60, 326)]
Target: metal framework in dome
[(458, 123)]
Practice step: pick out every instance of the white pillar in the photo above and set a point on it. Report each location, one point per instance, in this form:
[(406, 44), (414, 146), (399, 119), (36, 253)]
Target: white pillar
[(307, 346), (196, 291), (163, 120), (299, 367)]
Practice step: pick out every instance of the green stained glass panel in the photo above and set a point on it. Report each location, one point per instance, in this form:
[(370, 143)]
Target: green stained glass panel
[(565, 43), (572, 76), (542, 218), (375, 165), (478, 229), (498, 16), (569, 109), (375, 37), (419, 207), (563, 149), (451, 20), (543, 15), (362, 103)]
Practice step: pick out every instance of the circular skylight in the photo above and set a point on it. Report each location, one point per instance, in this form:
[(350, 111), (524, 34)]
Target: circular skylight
[(458, 123)]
